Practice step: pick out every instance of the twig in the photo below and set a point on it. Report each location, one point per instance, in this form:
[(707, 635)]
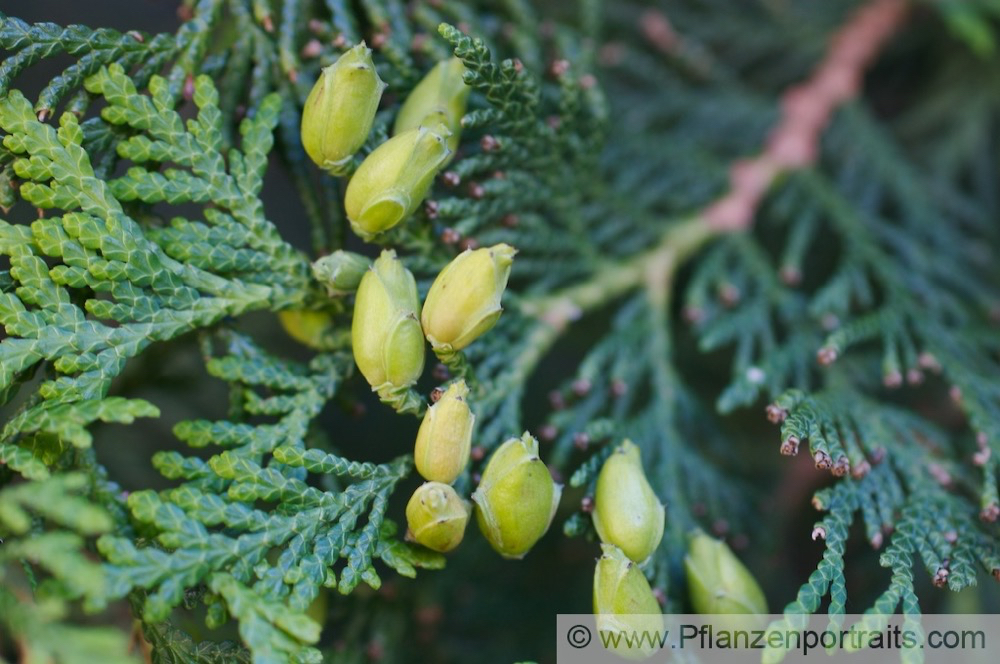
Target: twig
[(793, 144), (806, 110)]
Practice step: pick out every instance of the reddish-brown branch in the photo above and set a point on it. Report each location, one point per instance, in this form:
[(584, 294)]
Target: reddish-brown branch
[(805, 112)]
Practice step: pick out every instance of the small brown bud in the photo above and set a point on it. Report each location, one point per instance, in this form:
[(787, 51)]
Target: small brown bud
[(476, 190), (928, 361), (419, 42), (431, 209), (489, 143), (587, 504), (312, 49), (861, 469), (791, 275), (581, 387), (436, 394), (450, 236), (720, 527), (693, 315), (941, 575), (468, 244), (509, 220), (790, 446), (990, 513), (556, 400), (729, 295), (951, 536), (822, 460), (478, 453), (826, 355), (559, 67), (939, 473), (892, 380), (581, 441), (441, 372), (776, 414), (548, 433)]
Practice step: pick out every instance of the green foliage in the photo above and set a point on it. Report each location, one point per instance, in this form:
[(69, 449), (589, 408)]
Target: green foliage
[(861, 306), (43, 565)]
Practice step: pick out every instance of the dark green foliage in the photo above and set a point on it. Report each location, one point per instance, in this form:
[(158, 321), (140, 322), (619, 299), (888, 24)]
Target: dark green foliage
[(859, 310)]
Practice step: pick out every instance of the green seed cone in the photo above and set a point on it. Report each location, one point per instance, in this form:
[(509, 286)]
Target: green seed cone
[(445, 436), (627, 512), (340, 110), (436, 517), (439, 98), (386, 337), (517, 498), (341, 272), (624, 602), (463, 303), (718, 582), (393, 180), (315, 329)]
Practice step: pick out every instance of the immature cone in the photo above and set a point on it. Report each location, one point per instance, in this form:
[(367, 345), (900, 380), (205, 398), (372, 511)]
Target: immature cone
[(624, 603), (393, 180), (626, 511), (464, 301), (445, 436), (718, 582), (438, 99), (517, 498), (341, 272), (436, 517), (340, 109), (314, 329), (385, 335)]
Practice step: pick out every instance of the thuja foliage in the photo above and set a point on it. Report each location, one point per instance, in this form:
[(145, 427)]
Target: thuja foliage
[(723, 213)]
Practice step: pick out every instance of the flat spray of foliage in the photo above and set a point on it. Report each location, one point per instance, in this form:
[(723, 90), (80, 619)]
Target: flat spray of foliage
[(836, 264)]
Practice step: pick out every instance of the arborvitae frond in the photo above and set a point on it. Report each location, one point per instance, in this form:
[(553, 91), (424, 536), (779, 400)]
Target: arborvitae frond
[(701, 224), (210, 533), (115, 288), (44, 567)]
